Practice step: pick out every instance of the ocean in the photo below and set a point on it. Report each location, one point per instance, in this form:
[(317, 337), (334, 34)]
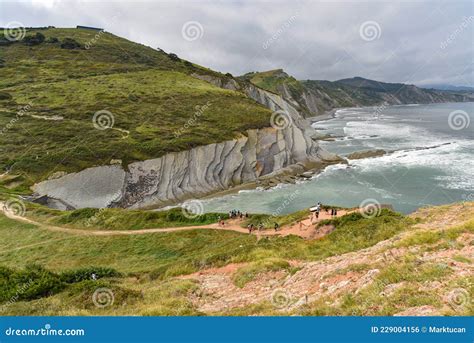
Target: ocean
[(430, 161)]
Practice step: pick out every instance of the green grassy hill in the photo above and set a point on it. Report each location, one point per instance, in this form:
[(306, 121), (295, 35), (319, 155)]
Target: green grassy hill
[(414, 263), (55, 80)]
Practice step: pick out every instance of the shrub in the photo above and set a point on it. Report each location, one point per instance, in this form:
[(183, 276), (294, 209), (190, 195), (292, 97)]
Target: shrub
[(82, 274), (174, 57), (31, 283), (35, 39), (82, 293), (5, 96), (69, 43)]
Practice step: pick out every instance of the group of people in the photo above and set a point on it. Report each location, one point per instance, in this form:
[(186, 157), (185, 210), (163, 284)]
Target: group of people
[(237, 214), (260, 227), (317, 210), (233, 214), (315, 215)]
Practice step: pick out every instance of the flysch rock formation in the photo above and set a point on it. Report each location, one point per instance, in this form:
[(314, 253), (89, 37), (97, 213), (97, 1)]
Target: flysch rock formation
[(201, 171)]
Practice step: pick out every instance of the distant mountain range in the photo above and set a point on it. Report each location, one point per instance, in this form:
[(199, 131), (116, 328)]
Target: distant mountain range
[(314, 97), (444, 87)]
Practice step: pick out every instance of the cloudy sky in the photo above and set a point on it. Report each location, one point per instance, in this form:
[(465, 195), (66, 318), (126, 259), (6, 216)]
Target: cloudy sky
[(420, 42)]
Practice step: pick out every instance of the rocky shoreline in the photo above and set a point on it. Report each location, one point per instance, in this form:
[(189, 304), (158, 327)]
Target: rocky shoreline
[(263, 157)]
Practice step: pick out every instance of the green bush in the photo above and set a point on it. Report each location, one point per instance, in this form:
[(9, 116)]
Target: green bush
[(36, 282), (83, 294), (35, 39), (31, 283), (69, 43), (77, 275), (5, 96)]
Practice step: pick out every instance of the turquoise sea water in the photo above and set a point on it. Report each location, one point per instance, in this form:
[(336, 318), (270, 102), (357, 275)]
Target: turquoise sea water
[(431, 161)]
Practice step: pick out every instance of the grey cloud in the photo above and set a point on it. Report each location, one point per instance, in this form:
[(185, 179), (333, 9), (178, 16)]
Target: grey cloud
[(309, 39)]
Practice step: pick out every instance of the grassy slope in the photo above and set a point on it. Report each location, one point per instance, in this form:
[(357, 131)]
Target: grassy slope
[(149, 95), (149, 262), (190, 249), (275, 80)]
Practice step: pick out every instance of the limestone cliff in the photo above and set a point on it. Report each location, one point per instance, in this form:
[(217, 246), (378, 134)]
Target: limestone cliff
[(200, 171)]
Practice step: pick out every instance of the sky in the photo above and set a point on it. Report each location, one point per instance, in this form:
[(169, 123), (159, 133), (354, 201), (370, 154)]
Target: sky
[(416, 42)]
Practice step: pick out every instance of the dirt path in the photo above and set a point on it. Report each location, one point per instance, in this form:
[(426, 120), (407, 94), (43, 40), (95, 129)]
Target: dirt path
[(303, 229), (335, 277)]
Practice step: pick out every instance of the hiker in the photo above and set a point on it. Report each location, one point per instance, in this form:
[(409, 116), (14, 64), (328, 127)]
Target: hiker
[(276, 226), (260, 227), (335, 212), (332, 212), (241, 216), (317, 214), (246, 214), (249, 227), (222, 223)]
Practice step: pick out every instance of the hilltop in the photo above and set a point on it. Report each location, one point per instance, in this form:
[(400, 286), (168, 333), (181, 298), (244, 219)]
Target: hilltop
[(315, 97), (61, 79)]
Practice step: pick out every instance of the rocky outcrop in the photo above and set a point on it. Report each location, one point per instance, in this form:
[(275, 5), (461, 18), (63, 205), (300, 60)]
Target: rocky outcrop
[(366, 154), (200, 171)]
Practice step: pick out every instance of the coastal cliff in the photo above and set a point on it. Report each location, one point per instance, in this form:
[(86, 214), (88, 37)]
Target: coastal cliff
[(200, 171)]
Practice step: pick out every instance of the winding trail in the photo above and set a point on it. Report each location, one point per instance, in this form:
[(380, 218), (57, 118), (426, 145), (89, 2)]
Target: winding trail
[(303, 228)]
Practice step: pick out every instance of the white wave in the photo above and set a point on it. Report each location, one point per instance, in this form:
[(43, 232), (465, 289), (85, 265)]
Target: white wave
[(454, 161)]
